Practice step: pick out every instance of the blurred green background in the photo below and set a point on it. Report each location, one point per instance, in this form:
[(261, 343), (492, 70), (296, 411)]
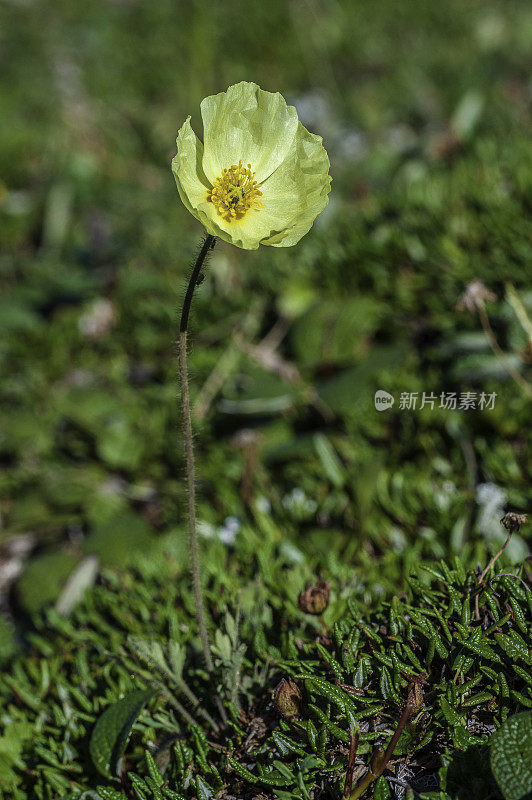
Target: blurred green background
[(425, 112)]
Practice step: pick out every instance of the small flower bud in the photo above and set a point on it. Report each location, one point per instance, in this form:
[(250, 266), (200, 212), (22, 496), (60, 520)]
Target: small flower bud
[(376, 760), (315, 598), (287, 698), (415, 697)]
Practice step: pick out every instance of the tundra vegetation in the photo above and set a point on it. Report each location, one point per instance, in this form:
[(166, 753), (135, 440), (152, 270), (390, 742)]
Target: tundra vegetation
[(365, 640)]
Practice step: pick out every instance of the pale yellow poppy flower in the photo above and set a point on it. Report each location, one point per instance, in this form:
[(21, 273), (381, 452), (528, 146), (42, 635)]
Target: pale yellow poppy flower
[(260, 177)]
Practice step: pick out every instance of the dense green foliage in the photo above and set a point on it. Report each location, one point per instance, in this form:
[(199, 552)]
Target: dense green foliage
[(136, 631), (424, 110)]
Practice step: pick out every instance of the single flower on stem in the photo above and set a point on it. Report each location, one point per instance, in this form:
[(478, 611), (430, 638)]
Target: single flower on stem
[(259, 178)]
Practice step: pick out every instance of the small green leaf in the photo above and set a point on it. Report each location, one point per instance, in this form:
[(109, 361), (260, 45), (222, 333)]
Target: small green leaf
[(463, 739), (477, 699), (329, 460), (329, 691), (139, 786), (155, 775), (382, 789), (513, 645), (108, 793), (333, 729), (312, 734), (511, 756), (285, 770), (450, 714), (241, 770), (203, 790), (480, 648), (387, 688), (112, 729), (331, 661), (285, 745)]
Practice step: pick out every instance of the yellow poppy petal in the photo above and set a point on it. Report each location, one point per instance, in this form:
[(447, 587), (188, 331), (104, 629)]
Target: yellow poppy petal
[(246, 124), (298, 189), (292, 197), (192, 184)]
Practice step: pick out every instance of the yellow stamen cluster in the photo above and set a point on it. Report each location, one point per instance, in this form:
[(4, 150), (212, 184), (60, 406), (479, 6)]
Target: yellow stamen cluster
[(235, 192)]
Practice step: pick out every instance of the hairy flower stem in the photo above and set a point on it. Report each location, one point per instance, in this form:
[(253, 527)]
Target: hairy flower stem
[(208, 244)]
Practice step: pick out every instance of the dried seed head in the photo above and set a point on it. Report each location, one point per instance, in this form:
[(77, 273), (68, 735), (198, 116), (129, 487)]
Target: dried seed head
[(512, 522), (288, 698), (474, 296), (315, 598)]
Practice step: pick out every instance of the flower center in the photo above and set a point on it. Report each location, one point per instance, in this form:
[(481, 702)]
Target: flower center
[(235, 192)]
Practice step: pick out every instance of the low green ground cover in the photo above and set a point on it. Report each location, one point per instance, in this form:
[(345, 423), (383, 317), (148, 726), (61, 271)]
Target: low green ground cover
[(457, 650), (425, 114)]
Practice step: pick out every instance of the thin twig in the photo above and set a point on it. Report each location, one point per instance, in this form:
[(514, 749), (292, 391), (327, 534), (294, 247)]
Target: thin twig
[(353, 745), (266, 356), (495, 558), (384, 759), (494, 344)]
